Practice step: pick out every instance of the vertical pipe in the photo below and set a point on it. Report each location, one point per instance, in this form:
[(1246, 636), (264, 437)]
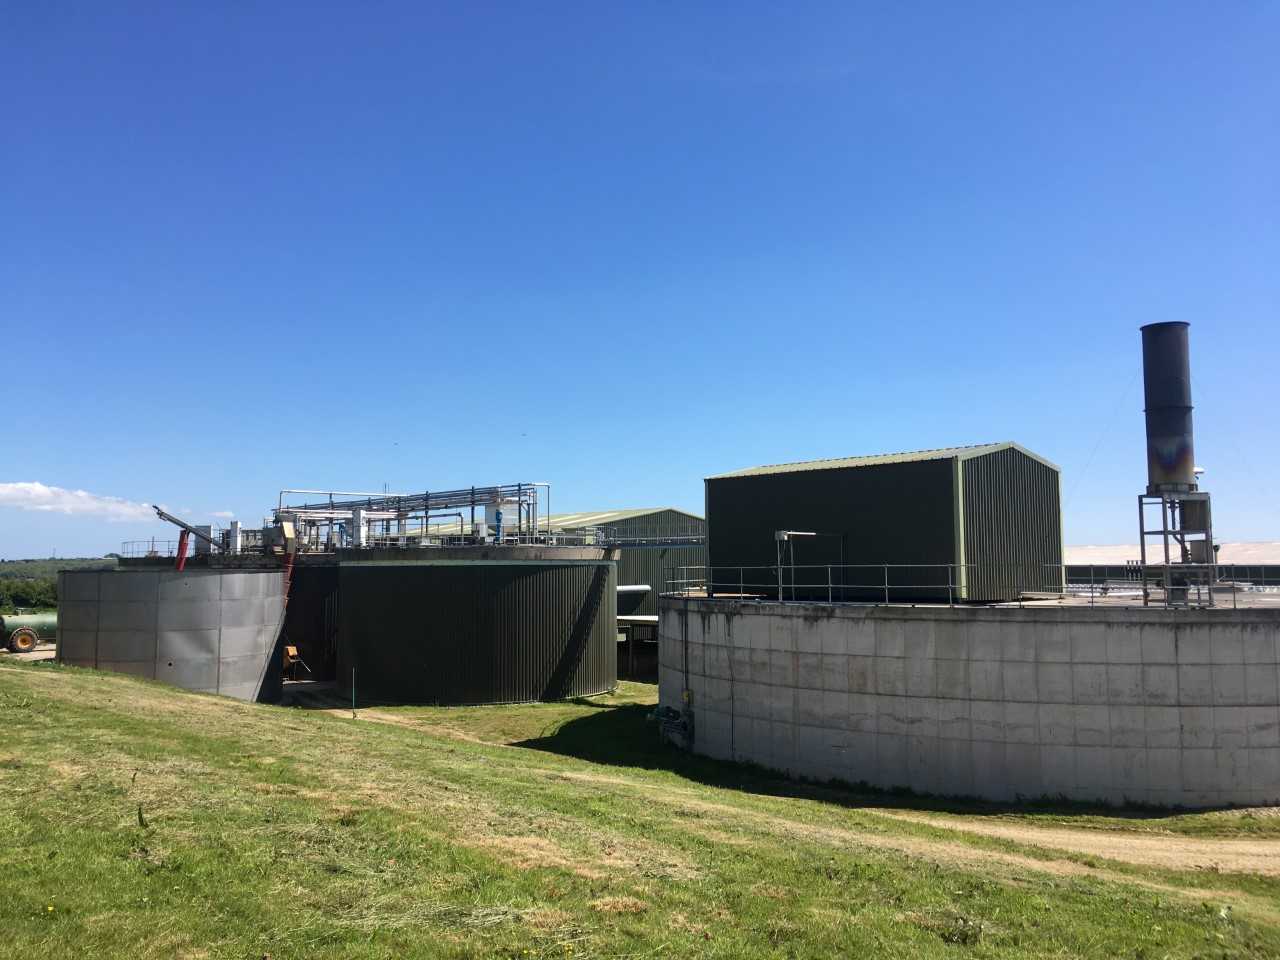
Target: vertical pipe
[(1142, 533), (1142, 551), (182, 551), (1165, 527)]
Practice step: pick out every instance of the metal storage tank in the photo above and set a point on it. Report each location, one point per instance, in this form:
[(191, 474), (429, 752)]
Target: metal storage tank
[(214, 631), (979, 523), (311, 623), (475, 625)]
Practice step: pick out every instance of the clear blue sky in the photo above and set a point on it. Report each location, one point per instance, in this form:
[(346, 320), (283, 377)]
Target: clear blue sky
[(621, 247)]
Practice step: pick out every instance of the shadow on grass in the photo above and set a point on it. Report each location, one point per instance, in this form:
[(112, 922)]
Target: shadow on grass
[(624, 736)]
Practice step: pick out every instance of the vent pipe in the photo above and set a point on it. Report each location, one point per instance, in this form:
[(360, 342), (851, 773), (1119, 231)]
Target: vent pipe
[(1166, 375)]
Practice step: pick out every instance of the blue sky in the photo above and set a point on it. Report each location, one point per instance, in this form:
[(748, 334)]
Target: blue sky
[(622, 247)]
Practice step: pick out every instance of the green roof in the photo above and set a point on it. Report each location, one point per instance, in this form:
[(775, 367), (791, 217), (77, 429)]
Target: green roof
[(942, 453), (603, 518)]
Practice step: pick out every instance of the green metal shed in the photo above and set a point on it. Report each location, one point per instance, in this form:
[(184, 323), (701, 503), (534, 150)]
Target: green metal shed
[(977, 523)]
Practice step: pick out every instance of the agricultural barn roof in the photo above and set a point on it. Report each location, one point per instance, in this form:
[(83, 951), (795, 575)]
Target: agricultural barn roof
[(602, 518), (942, 453)]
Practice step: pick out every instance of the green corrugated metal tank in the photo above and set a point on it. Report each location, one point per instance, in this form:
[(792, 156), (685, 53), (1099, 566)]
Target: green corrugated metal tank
[(22, 631), (471, 625)]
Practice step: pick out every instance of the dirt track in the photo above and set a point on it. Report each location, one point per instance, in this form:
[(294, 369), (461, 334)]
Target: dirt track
[(1167, 851), (43, 651)]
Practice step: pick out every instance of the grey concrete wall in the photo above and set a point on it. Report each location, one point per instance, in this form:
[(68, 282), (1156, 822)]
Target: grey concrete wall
[(1150, 706), (213, 631)]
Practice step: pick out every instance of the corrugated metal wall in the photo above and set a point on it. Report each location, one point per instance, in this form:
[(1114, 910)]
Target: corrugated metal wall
[(214, 631), (649, 563), (889, 513), (653, 526), (1012, 526), (311, 623), (482, 632)]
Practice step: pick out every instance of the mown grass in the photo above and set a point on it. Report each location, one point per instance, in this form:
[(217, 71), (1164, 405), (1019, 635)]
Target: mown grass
[(143, 821), (611, 730)]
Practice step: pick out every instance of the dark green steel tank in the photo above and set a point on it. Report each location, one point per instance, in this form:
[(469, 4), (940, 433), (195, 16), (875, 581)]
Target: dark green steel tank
[(473, 625)]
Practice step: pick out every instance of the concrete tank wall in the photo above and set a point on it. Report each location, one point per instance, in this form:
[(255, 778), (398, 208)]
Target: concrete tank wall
[(215, 631), (1149, 706)]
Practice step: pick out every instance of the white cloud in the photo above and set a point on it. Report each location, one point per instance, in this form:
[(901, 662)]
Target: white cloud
[(223, 515), (37, 496)]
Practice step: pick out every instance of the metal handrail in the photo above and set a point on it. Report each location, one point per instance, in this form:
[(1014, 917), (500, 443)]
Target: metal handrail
[(134, 549), (413, 541), (1173, 586)]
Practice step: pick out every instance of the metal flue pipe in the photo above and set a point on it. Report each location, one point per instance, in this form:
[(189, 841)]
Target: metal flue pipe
[(1166, 376)]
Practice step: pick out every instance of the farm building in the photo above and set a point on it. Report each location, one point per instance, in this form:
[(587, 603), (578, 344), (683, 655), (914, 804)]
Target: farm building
[(972, 523), (652, 544)]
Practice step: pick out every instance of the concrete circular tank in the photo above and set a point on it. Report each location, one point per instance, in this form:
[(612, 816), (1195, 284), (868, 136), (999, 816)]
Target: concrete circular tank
[(473, 625)]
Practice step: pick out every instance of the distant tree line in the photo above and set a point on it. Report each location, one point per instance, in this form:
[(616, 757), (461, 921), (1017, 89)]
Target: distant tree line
[(33, 584), (49, 567), (37, 593)]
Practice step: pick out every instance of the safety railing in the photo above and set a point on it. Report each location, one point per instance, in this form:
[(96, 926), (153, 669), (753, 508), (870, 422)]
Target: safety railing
[(1177, 585), (136, 549), (1173, 586), (415, 541), (622, 537), (578, 537)]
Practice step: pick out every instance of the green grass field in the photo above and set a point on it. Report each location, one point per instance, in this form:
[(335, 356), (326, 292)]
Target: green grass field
[(141, 821)]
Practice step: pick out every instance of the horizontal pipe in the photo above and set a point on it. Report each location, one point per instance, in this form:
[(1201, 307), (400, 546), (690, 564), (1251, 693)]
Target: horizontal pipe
[(340, 493)]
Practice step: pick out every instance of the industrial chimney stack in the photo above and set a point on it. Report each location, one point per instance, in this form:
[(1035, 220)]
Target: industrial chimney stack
[(1166, 376), (1184, 529)]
